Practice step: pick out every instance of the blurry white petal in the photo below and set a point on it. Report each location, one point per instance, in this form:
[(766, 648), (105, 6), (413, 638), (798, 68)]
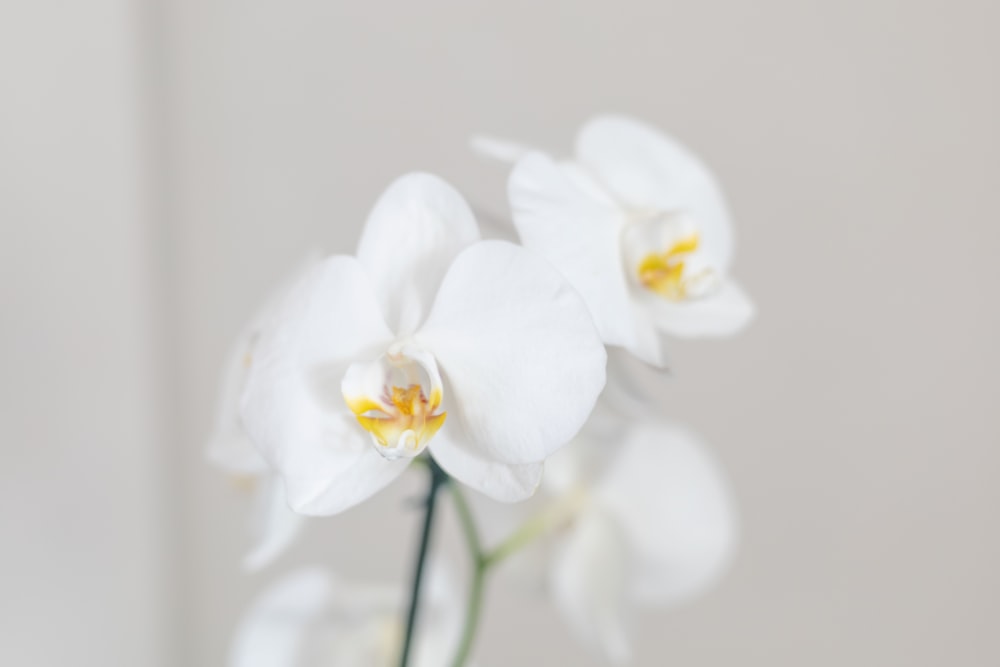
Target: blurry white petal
[(583, 461), (357, 472), (293, 408), (672, 501), (494, 148), (312, 619), (235, 453), (579, 235), (229, 447), (518, 352), (650, 171), (442, 617), (274, 526), (648, 345), (273, 631), (724, 312), (505, 482), (417, 227), (590, 585), (633, 386)]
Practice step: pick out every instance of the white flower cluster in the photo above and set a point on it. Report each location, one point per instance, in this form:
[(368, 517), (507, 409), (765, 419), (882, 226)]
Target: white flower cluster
[(485, 359)]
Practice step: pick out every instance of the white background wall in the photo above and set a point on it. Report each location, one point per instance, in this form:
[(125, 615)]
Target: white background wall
[(858, 143), (85, 540)]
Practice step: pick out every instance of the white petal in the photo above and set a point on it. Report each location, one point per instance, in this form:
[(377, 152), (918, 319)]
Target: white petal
[(648, 346), (229, 447), (417, 227), (520, 357), (273, 631), (494, 148), (235, 453), (649, 170), (589, 583), (274, 525), (312, 619), (505, 482), (352, 473), (580, 463), (724, 312), (442, 617), (633, 387), (673, 504), (579, 234), (293, 408)]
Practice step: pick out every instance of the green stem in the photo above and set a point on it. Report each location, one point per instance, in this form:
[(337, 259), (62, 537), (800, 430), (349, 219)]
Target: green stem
[(438, 478), (479, 567), (555, 514), (483, 561), (473, 608)]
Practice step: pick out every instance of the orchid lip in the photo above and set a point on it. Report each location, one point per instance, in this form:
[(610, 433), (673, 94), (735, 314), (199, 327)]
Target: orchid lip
[(397, 399), (662, 256)]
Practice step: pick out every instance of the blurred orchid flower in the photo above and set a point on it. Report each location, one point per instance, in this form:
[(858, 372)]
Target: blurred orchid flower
[(311, 618), (650, 524), (638, 224), (478, 351), (273, 525)]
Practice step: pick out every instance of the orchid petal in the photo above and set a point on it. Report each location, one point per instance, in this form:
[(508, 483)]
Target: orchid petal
[(589, 585), (648, 345), (650, 171), (518, 351), (352, 473), (274, 525), (229, 447), (724, 312), (311, 619), (274, 630), (633, 386), (293, 408), (579, 234), (414, 231), (672, 502), (494, 148), (504, 482)]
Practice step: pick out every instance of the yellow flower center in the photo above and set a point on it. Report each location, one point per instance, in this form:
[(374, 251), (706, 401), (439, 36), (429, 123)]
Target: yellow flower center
[(663, 272), (409, 424), (664, 254), (389, 400)]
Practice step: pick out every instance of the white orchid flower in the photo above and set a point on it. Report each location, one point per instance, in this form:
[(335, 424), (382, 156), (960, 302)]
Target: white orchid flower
[(477, 351), (273, 526), (638, 224), (650, 524), (311, 618)]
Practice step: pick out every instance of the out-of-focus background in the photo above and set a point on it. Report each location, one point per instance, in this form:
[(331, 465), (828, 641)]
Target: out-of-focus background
[(162, 164)]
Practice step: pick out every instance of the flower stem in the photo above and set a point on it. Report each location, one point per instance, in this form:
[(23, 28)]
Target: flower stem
[(473, 608), (541, 524), (483, 561), (438, 478), (479, 568)]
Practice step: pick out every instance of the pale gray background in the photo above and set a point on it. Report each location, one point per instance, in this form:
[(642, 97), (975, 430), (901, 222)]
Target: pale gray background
[(162, 164)]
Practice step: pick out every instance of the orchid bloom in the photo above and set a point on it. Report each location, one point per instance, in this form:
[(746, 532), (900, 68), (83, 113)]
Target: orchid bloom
[(478, 352), (650, 524), (311, 618), (637, 224), (273, 525)]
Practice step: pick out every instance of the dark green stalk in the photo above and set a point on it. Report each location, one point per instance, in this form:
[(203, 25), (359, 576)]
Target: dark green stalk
[(438, 478)]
